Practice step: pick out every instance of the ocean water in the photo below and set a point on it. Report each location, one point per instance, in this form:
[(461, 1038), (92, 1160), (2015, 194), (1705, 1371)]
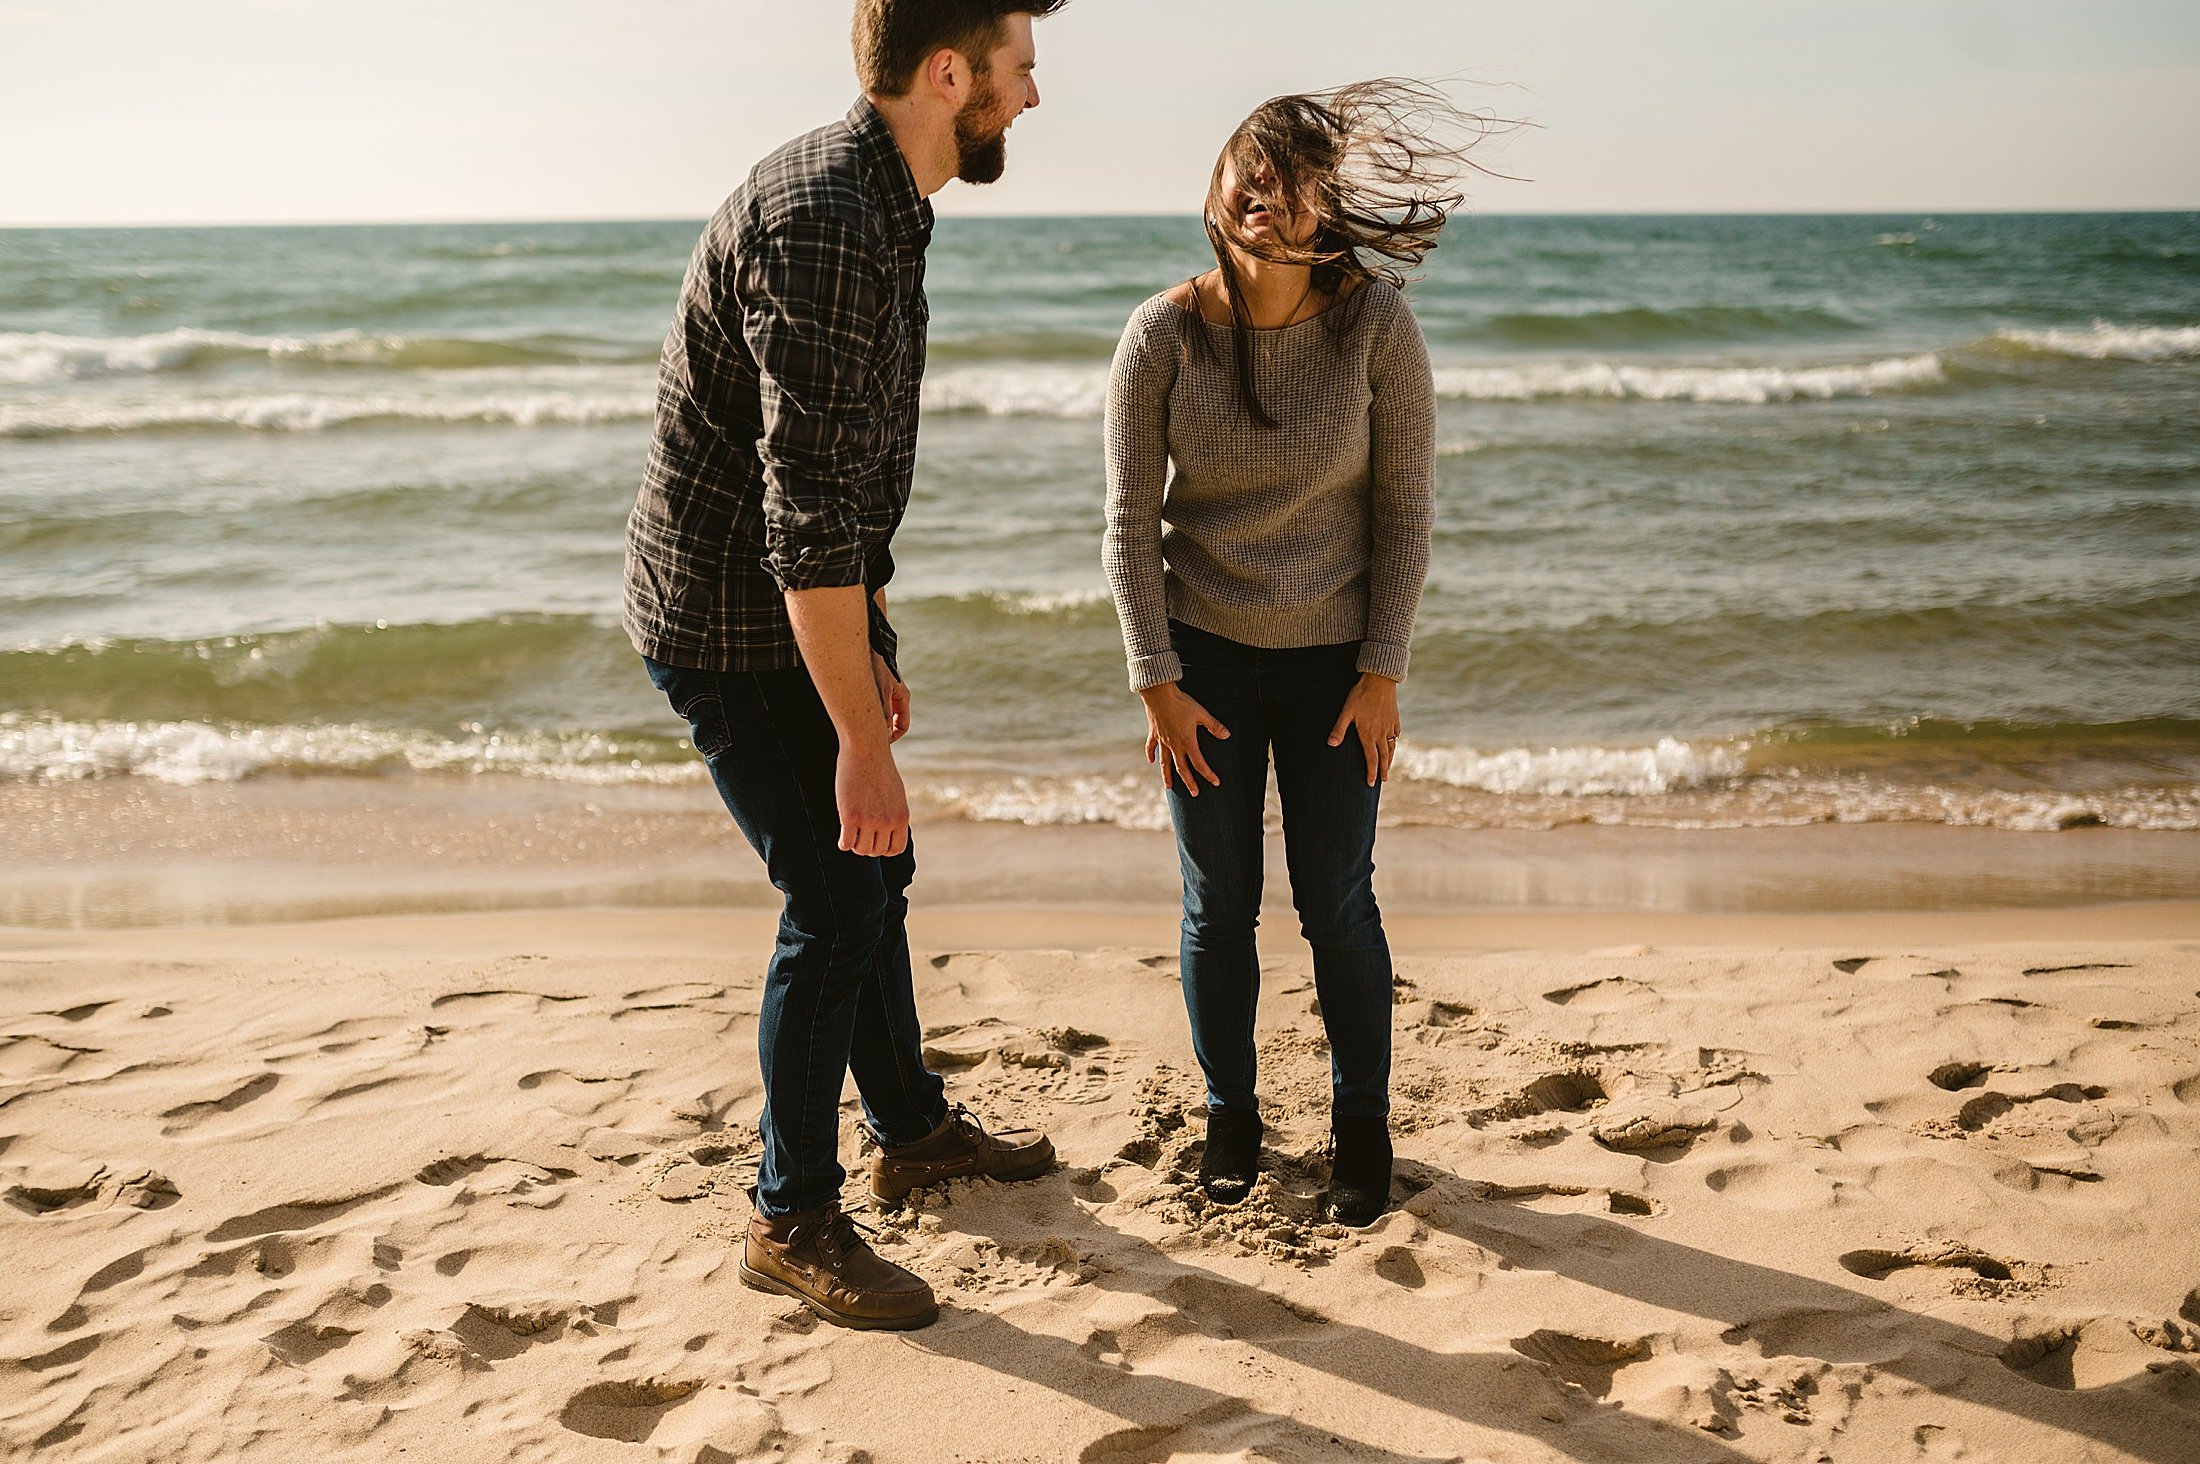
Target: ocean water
[(1741, 520)]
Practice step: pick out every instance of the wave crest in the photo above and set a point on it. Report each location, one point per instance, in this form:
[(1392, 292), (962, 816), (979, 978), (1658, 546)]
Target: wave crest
[(1577, 772), (34, 357), (187, 753), (1752, 385), (516, 405), (2109, 342)]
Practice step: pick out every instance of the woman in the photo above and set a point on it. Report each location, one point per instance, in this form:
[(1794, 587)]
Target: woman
[(1267, 585)]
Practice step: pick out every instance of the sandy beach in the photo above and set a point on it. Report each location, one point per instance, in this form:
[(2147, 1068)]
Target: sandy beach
[(1672, 1186)]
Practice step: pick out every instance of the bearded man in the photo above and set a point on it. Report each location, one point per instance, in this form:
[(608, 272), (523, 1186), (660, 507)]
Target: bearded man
[(756, 570)]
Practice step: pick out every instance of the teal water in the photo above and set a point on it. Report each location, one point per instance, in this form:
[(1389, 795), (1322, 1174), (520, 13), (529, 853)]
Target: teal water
[(1741, 520)]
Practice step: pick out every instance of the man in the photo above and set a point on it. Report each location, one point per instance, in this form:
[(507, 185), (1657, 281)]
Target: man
[(756, 568)]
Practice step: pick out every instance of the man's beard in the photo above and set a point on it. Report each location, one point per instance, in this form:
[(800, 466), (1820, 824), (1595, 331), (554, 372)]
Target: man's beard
[(980, 155)]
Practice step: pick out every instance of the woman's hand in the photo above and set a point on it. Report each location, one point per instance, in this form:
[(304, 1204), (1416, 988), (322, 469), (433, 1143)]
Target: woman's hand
[(1173, 725), (1371, 707)]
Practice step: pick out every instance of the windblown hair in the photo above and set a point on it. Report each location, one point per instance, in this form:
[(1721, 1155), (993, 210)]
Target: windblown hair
[(1378, 163), (895, 37)]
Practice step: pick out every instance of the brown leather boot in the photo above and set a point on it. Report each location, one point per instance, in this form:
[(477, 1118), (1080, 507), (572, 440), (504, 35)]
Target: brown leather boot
[(959, 1148), (819, 1257)]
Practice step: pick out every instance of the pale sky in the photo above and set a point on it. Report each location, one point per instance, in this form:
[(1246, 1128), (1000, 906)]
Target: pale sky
[(215, 111)]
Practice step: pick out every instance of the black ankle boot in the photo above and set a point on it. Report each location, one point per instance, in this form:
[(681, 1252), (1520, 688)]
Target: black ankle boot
[(1232, 1160), (1359, 1169)]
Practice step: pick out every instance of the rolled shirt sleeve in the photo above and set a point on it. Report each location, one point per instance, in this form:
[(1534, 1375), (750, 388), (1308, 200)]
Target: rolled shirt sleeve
[(812, 307)]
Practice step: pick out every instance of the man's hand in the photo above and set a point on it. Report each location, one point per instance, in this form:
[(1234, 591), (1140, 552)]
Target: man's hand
[(893, 696), (874, 810), (1173, 724), (1372, 707), (832, 630)]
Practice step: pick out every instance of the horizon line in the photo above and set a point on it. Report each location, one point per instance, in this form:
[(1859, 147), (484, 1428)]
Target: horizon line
[(522, 220)]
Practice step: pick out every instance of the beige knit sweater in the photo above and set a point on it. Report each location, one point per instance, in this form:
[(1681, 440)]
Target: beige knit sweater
[(1311, 534)]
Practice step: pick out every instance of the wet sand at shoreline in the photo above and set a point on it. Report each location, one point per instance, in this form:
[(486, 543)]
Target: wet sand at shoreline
[(134, 853)]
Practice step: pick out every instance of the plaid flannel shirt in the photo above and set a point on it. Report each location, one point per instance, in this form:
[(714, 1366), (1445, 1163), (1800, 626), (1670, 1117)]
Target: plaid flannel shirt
[(786, 404)]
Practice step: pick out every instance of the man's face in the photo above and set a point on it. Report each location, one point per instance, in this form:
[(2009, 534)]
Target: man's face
[(998, 96)]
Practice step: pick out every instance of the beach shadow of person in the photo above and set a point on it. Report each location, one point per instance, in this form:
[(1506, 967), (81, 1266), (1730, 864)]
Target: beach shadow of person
[(1785, 1314), (1163, 1416)]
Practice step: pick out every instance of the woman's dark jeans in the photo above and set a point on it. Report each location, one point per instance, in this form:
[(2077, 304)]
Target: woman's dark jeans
[(1282, 702), (837, 994)]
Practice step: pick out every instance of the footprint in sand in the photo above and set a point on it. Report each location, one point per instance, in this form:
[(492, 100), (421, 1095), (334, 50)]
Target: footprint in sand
[(497, 1002), (306, 1341), (678, 994), (1571, 1091), (1657, 1128), (512, 1176), (2066, 1355), (1063, 1064), (30, 1056), (1977, 1113), (580, 1093), (304, 1214), (79, 1012), (1588, 1362), (56, 1188), (1442, 1023), (1777, 1188), (976, 1265), (499, 1332), (187, 1116), (1604, 994), (674, 1412), (1400, 1267), (1895, 968), (1571, 1199), (1877, 1265), (2180, 1333), (2053, 1175), (271, 1256), (1956, 1076), (978, 977)]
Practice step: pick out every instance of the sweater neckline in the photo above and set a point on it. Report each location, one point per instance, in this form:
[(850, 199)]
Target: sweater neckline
[(1269, 330)]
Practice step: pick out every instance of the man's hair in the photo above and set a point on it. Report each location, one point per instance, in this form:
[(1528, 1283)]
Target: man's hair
[(894, 37)]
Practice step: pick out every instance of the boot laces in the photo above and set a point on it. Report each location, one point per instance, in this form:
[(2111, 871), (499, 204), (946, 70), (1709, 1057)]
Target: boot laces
[(840, 1231), (966, 1121)]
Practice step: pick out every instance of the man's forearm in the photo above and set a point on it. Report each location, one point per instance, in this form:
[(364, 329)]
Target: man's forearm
[(832, 628)]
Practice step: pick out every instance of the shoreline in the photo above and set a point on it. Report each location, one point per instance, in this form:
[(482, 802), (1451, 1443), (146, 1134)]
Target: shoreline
[(115, 853), (742, 937)]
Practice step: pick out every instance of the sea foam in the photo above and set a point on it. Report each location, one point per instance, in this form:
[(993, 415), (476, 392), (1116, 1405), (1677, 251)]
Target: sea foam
[(2110, 342), (1055, 391), (516, 405), (1753, 385), (35, 357), (187, 753), (1019, 391), (1576, 772)]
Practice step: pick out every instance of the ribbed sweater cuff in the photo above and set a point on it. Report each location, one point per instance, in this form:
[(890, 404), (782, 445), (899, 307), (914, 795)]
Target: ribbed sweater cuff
[(1384, 660), (1153, 670)]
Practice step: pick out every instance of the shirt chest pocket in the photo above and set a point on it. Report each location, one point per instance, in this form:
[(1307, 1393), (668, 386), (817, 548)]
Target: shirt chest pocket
[(900, 351)]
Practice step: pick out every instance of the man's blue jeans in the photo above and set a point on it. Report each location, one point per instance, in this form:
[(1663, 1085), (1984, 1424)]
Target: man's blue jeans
[(837, 993), (1282, 702)]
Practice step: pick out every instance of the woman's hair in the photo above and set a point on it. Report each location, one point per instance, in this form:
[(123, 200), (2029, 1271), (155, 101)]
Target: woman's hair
[(1378, 163)]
